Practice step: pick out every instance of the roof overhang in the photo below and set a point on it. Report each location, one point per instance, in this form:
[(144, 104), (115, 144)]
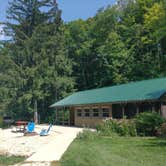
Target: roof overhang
[(106, 103)]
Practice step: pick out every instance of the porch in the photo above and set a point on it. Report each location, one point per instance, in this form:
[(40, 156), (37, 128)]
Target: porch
[(91, 115)]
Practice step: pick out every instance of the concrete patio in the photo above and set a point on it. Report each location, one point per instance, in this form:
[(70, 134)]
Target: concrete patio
[(55, 148), (38, 149)]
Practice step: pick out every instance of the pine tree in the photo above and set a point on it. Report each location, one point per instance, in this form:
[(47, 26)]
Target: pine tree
[(39, 51)]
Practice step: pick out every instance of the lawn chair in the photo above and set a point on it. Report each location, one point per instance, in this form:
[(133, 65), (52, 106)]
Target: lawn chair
[(30, 129), (45, 132)]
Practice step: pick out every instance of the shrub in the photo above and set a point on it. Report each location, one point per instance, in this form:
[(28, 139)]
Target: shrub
[(161, 131), (115, 127), (87, 135), (147, 123), (127, 128), (108, 128)]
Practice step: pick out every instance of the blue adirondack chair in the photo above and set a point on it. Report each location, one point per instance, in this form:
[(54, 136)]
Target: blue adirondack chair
[(45, 132), (30, 127)]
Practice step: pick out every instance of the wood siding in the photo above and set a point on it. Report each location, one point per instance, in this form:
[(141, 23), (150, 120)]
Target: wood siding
[(91, 121)]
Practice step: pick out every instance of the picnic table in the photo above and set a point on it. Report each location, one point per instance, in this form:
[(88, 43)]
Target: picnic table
[(21, 125)]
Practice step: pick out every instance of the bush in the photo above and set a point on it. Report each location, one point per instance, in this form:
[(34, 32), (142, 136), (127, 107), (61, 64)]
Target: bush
[(161, 131), (87, 135), (115, 127), (108, 128), (147, 123), (127, 128)]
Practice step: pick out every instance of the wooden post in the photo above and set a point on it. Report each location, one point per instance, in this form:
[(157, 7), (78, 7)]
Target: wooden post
[(100, 111), (137, 109), (91, 112), (63, 119), (56, 112), (69, 116), (153, 107), (163, 110), (160, 108), (123, 111), (35, 112), (110, 112)]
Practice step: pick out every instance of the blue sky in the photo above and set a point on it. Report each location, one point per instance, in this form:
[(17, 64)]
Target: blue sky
[(74, 9), (71, 9)]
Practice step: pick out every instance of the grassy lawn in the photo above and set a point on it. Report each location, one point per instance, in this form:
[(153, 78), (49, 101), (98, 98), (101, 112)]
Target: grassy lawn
[(120, 151), (10, 160)]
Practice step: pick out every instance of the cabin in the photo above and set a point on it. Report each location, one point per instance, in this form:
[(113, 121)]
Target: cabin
[(91, 107)]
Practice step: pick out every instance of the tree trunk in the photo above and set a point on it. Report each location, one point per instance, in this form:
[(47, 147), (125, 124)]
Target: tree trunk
[(35, 112)]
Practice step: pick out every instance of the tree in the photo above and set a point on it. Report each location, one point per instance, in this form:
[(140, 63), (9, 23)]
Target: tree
[(144, 48), (115, 61), (121, 43), (118, 44), (155, 22), (40, 54), (79, 45), (9, 79), (25, 16)]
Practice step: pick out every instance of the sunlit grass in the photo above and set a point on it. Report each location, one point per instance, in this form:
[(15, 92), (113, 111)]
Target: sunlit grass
[(119, 151), (10, 160)]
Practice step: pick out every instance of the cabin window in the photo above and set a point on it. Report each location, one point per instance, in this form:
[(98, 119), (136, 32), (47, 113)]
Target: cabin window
[(95, 112), (105, 112), (79, 112), (87, 112)]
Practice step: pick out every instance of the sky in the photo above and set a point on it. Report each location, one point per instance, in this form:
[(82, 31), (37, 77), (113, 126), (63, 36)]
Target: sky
[(71, 9)]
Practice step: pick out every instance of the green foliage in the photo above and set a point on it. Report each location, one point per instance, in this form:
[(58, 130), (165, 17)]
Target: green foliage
[(87, 135), (47, 59), (114, 127), (10, 160), (147, 123), (124, 42), (36, 68)]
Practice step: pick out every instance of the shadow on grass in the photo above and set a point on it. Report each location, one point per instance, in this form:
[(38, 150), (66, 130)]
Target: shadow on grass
[(154, 142)]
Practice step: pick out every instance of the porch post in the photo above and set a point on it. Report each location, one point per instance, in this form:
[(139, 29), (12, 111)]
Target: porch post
[(153, 107), (68, 116), (63, 115), (110, 111), (56, 112), (163, 110), (137, 109), (160, 108), (123, 110)]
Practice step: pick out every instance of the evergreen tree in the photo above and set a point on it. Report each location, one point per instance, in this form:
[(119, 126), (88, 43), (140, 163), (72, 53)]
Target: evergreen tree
[(39, 51)]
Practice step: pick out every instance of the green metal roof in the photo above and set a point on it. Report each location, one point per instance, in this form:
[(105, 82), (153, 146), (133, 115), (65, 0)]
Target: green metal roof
[(135, 91)]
